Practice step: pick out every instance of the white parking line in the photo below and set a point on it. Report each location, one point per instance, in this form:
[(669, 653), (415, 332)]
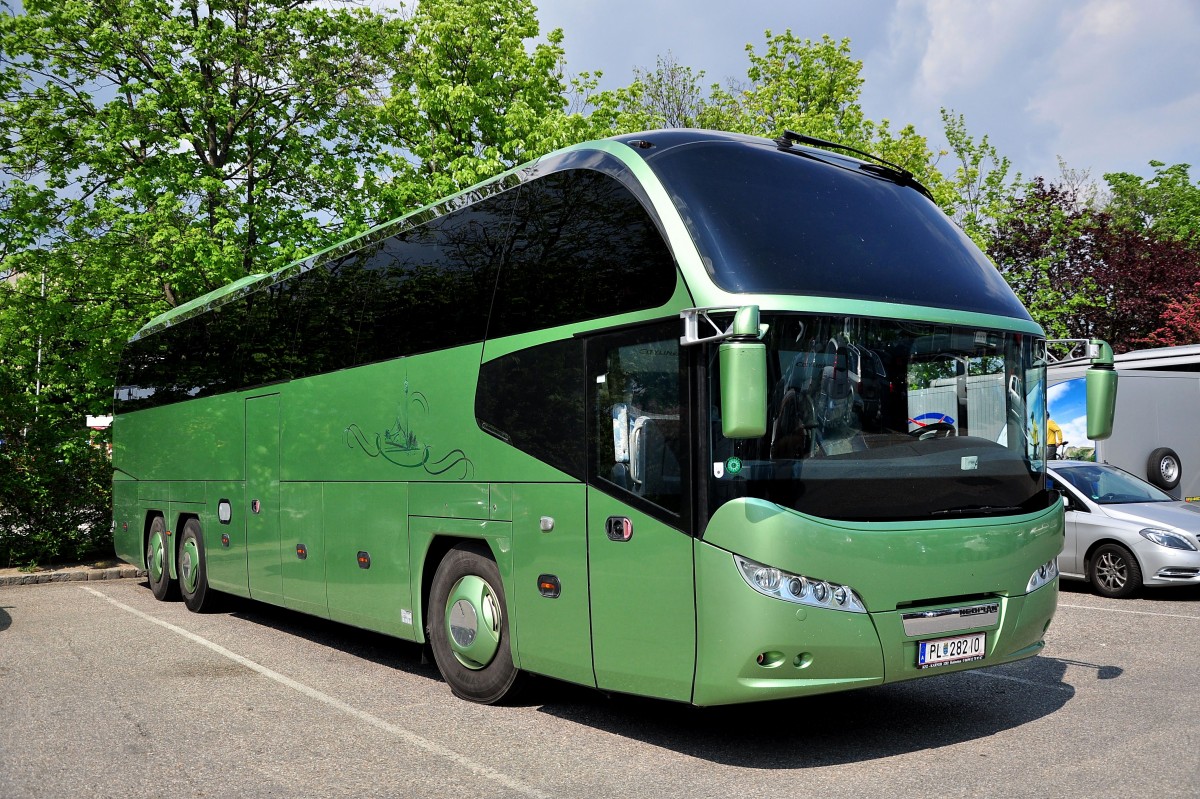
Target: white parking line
[(406, 735), (1135, 612)]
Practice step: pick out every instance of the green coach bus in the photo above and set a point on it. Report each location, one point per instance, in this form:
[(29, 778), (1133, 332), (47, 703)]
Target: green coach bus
[(681, 414)]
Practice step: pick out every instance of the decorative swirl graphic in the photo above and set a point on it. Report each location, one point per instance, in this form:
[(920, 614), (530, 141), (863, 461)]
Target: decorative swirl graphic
[(399, 443)]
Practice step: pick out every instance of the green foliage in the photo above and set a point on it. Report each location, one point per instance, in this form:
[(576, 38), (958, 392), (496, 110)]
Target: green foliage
[(980, 189), (1167, 204), (53, 491), (150, 152), (470, 100)]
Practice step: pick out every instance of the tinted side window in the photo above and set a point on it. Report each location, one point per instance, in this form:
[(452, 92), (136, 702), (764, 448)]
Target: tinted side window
[(533, 399), (423, 289), (582, 247)]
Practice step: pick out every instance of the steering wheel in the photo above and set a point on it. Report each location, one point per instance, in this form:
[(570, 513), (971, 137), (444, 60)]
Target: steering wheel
[(935, 430)]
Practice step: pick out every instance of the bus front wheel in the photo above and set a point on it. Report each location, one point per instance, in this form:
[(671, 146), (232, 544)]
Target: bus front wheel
[(468, 626), (193, 574), (158, 568)]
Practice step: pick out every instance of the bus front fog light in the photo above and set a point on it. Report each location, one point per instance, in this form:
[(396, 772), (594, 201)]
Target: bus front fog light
[(798, 587), (820, 591), (840, 595)]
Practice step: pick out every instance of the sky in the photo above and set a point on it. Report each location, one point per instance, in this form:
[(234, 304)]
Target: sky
[(1067, 404), (1105, 85)]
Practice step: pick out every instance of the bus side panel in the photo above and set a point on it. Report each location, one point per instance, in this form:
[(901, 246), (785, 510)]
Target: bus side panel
[(201, 439), (408, 419), (302, 548), (553, 633), (128, 523), (643, 603), (372, 519), (225, 544)]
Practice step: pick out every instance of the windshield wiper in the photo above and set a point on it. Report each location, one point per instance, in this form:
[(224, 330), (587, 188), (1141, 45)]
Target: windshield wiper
[(979, 510), (882, 168)]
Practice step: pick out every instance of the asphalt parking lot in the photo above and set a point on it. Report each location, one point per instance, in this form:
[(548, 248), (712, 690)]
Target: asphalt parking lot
[(105, 692)]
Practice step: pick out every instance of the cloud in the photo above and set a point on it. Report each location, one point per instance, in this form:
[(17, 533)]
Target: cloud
[(1123, 72), (1075, 432)]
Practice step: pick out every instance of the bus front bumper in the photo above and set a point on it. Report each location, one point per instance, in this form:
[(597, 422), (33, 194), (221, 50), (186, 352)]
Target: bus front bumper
[(755, 648)]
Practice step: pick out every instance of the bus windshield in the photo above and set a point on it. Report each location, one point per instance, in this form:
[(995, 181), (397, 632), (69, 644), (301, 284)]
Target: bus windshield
[(879, 420)]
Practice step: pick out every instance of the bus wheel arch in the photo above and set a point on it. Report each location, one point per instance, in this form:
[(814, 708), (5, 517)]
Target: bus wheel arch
[(190, 564), (158, 557), (467, 624), (1164, 468)]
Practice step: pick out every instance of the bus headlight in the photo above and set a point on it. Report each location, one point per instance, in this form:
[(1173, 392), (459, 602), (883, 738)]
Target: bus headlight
[(798, 588), (1042, 575)]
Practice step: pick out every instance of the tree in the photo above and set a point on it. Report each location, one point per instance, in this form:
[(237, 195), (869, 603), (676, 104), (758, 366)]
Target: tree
[(1180, 322), (981, 185), (153, 151), (1142, 275), (1039, 246), (1082, 274), (794, 84), (470, 100), (1167, 204)]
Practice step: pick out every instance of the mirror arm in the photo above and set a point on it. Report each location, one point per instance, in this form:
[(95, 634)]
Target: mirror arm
[(745, 325)]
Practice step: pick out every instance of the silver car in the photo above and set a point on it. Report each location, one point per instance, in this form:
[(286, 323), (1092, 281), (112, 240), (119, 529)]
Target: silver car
[(1123, 533)]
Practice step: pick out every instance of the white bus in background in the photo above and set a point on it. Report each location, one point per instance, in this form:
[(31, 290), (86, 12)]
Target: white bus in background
[(1156, 432)]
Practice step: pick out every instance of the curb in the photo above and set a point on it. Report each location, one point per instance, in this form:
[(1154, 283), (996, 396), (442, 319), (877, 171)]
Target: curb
[(74, 576)]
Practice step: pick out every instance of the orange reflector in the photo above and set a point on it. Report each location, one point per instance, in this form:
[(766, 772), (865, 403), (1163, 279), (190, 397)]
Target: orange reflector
[(549, 586)]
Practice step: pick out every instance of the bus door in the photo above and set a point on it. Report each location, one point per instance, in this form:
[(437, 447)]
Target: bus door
[(262, 494), (639, 557)]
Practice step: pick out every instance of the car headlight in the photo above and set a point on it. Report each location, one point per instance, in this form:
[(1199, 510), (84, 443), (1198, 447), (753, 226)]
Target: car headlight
[(1166, 538), (798, 588), (1042, 575)]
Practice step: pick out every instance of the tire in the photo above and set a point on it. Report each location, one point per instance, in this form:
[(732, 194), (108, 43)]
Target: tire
[(158, 568), (193, 572), (1164, 468), (1113, 572), (468, 627)]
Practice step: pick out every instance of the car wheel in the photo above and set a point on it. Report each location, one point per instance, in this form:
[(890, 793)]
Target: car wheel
[(1114, 572), (1164, 468), (468, 626)]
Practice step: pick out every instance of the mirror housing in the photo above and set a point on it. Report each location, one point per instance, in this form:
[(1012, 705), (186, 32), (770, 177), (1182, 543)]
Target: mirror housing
[(1101, 391), (1101, 402), (744, 378)]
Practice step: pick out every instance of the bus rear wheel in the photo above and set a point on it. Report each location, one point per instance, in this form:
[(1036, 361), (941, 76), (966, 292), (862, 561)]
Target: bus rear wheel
[(468, 626), (193, 574), (158, 568)]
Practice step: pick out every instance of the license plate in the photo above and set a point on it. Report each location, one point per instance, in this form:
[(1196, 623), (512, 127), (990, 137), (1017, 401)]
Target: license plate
[(956, 649)]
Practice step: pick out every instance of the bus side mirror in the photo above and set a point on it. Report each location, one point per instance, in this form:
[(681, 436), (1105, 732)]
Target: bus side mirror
[(1101, 402), (743, 366), (744, 378), (1101, 391)]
